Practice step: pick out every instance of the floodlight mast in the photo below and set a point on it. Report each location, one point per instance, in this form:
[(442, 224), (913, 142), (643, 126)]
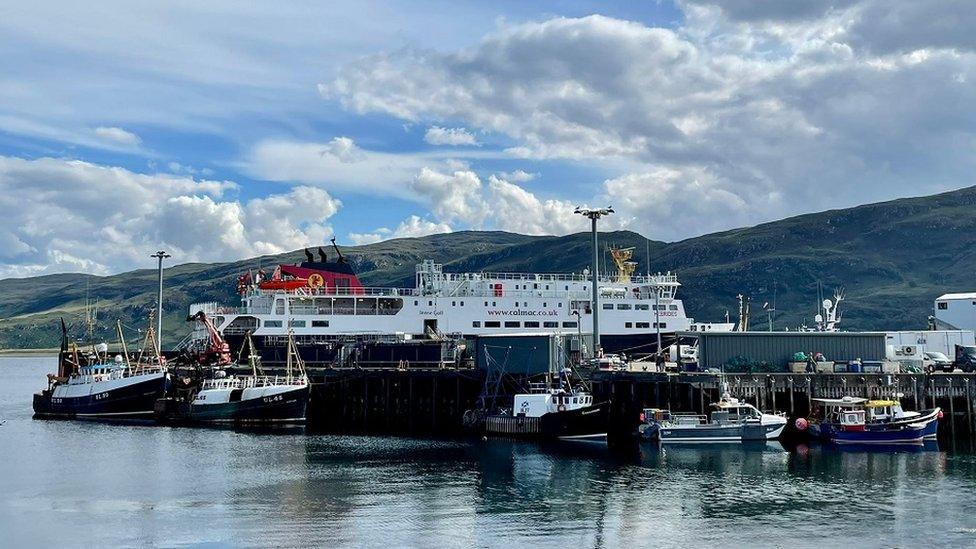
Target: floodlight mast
[(594, 215), (160, 255)]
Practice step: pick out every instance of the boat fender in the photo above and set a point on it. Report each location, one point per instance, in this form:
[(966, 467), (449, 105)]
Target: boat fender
[(940, 414), (801, 424), (561, 408)]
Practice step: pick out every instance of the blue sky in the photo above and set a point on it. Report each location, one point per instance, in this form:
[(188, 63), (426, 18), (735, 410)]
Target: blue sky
[(220, 131)]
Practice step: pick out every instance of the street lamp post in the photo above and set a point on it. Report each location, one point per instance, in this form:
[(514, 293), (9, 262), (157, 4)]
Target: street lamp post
[(160, 255), (594, 215)]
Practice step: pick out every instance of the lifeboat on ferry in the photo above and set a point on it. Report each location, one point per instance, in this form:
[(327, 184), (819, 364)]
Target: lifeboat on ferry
[(286, 285)]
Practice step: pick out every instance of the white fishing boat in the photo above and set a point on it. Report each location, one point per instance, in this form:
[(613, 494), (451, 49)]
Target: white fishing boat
[(732, 420)]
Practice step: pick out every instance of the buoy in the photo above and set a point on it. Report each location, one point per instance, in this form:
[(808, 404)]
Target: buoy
[(801, 424), (940, 414)]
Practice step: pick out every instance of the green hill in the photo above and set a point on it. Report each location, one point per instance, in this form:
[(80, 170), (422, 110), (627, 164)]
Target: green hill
[(891, 258)]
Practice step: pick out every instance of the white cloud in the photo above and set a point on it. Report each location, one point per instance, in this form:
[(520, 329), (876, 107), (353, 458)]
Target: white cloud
[(745, 113), (223, 68), (517, 210), (451, 196), (517, 176), (68, 215), (411, 227), (117, 135), (339, 164), (437, 135)]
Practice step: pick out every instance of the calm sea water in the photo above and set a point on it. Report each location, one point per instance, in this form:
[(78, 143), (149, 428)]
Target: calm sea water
[(81, 484)]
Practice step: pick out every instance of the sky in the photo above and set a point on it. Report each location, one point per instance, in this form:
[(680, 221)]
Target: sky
[(222, 130)]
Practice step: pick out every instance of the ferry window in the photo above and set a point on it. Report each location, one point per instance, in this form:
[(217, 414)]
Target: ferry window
[(486, 303), (320, 323), (279, 306), (476, 324), (567, 288), (296, 323), (430, 303), (661, 325), (643, 325), (493, 304), (241, 325), (535, 286), (454, 304), (674, 307), (272, 324), (550, 324), (628, 324), (389, 305), (492, 324), (943, 305), (462, 304), (343, 306), (554, 399), (544, 304), (575, 400), (653, 307), (623, 306), (642, 307), (415, 303), (569, 324), (547, 286), (607, 306), (512, 324), (531, 324), (365, 306), (322, 306)]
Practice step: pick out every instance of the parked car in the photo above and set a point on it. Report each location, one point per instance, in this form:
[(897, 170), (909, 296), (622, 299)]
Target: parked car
[(965, 358), (935, 361)]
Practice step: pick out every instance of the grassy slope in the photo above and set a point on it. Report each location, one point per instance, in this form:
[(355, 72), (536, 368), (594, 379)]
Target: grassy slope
[(892, 258)]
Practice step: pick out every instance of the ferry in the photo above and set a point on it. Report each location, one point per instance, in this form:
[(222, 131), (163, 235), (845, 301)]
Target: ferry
[(324, 301)]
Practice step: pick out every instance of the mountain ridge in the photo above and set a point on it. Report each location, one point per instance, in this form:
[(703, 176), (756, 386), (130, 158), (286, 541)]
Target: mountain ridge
[(893, 258)]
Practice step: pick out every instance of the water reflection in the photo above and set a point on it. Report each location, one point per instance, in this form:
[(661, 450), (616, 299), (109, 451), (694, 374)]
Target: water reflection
[(191, 486)]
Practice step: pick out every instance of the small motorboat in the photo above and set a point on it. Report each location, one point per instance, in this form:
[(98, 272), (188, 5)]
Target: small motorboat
[(731, 420)]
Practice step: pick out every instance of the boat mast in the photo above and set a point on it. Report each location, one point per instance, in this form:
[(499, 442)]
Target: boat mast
[(125, 350)]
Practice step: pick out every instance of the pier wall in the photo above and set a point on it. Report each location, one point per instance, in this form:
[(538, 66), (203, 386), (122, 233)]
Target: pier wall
[(400, 401)]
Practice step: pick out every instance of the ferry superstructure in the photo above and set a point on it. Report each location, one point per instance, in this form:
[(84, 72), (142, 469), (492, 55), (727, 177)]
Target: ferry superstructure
[(321, 300)]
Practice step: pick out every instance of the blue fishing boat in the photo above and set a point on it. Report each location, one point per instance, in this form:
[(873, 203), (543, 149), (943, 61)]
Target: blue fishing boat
[(846, 421)]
